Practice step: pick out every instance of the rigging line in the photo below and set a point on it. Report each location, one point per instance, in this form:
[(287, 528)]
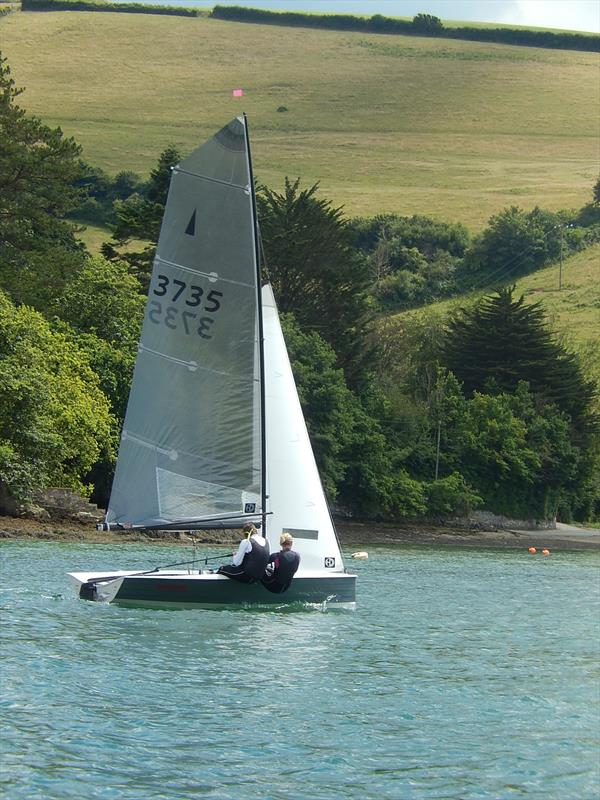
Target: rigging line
[(263, 255), (183, 563), (107, 578), (261, 333), (514, 261), (486, 282), (212, 180)]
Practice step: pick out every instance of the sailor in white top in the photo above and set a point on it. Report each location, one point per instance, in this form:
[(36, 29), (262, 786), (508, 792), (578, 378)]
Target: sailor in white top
[(251, 559), (246, 547)]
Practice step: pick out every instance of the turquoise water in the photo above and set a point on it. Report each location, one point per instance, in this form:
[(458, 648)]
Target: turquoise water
[(462, 674)]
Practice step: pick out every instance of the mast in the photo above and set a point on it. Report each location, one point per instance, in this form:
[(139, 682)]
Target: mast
[(261, 340)]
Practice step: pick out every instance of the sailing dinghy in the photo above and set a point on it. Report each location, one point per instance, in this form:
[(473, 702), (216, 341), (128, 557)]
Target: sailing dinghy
[(214, 435)]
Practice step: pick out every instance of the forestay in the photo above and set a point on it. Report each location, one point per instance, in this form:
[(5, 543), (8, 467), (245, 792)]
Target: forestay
[(190, 447)]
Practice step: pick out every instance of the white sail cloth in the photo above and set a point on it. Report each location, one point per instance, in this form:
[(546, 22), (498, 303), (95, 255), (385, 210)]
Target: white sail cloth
[(295, 494)]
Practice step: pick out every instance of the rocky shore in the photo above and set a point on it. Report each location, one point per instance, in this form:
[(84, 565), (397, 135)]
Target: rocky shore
[(352, 535)]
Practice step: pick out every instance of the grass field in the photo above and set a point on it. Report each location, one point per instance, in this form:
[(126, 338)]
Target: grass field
[(453, 129)]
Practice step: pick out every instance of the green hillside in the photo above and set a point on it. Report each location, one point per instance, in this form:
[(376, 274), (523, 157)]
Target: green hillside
[(573, 311), (459, 131), (453, 129)]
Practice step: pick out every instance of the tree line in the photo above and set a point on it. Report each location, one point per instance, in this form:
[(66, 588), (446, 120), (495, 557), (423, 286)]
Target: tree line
[(114, 8), (409, 415), (420, 25)]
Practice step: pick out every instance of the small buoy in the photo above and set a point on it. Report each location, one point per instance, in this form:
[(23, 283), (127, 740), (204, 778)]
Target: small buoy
[(545, 552), (361, 554), (532, 550)]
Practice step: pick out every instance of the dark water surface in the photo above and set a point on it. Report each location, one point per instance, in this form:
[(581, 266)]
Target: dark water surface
[(462, 674)]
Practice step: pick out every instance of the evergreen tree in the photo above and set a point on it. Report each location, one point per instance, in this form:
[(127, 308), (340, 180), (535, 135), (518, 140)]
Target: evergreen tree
[(139, 217), (502, 340), (38, 171), (313, 269)]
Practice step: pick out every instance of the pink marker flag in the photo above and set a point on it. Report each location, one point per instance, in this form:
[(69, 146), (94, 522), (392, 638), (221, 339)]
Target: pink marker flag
[(238, 93)]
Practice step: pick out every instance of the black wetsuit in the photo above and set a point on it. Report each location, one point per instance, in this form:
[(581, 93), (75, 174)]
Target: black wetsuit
[(285, 563), (252, 567)]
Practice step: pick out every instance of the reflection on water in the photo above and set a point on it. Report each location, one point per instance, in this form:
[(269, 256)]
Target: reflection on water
[(461, 674)]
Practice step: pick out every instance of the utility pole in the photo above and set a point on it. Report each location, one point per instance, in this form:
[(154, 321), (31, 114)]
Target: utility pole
[(437, 450), (440, 393), (561, 258)]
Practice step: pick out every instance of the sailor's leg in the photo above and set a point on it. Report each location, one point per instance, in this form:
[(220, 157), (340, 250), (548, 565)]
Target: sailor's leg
[(235, 573)]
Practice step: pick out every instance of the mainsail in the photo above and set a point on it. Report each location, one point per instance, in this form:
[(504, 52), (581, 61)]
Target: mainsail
[(191, 443)]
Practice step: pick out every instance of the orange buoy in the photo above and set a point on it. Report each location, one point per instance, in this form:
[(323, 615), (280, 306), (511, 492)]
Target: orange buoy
[(532, 550), (545, 552)]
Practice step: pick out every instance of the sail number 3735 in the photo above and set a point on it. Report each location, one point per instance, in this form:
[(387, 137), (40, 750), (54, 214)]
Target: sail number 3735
[(191, 319)]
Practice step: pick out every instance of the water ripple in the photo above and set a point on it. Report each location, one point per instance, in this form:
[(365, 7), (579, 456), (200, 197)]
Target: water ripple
[(462, 675)]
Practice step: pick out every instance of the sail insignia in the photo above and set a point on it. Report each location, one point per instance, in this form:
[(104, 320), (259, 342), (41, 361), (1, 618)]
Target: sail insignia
[(191, 226)]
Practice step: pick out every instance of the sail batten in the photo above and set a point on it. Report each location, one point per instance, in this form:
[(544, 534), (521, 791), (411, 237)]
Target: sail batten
[(245, 188), (211, 276)]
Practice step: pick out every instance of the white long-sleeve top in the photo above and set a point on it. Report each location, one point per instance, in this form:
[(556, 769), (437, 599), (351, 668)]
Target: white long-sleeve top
[(246, 547)]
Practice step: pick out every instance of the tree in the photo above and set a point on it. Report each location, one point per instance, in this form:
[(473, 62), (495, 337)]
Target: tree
[(328, 405), (103, 308), (429, 236), (314, 272), (38, 171), (520, 457), (411, 260), (427, 24), (125, 184), (589, 215), (55, 421), (97, 205), (501, 341), (355, 461), (101, 311), (516, 243), (103, 299), (101, 192), (139, 217)]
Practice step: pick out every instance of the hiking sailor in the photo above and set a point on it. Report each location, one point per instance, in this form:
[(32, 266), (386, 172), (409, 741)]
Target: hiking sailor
[(251, 558), (282, 566)]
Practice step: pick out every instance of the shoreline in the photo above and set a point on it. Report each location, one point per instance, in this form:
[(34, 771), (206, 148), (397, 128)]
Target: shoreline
[(357, 535)]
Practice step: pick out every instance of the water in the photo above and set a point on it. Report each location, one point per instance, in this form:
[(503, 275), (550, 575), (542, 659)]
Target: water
[(462, 674)]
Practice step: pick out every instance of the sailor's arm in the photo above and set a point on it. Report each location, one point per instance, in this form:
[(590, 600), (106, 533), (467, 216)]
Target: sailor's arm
[(244, 548)]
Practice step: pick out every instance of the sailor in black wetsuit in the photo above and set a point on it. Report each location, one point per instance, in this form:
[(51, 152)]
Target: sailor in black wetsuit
[(251, 558), (282, 566)]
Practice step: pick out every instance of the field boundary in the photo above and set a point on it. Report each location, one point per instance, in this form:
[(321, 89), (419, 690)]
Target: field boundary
[(420, 25)]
